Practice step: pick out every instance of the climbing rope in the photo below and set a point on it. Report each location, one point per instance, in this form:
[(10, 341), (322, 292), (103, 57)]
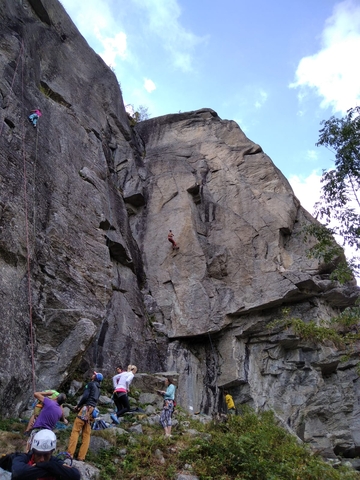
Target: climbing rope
[(216, 366), (27, 235), (107, 180), (34, 189)]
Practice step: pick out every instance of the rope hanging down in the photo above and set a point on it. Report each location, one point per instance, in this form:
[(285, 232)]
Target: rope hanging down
[(27, 232)]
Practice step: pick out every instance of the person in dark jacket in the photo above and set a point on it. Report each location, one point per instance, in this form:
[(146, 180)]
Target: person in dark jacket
[(85, 408), (40, 463)]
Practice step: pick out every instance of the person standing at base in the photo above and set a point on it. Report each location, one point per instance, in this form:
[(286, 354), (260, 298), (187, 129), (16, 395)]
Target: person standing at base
[(82, 423), (121, 383), (52, 394), (39, 463), (50, 414), (168, 407), (231, 409)]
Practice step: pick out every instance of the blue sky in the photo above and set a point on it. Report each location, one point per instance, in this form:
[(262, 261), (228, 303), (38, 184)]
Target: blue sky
[(275, 67)]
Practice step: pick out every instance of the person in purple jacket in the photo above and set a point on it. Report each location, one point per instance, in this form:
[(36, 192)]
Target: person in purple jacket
[(50, 414)]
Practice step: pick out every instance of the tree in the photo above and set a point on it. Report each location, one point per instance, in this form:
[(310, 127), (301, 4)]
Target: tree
[(137, 115), (339, 205), (142, 113)]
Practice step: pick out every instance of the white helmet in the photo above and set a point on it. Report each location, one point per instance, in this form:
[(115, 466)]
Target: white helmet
[(44, 441)]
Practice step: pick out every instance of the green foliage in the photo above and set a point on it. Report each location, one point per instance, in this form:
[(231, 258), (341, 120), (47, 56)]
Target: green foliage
[(10, 425), (249, 446), (340, 202), (140, 114), (316, 333), (329, 252), (342, 330), (254, 447), (348, 319)]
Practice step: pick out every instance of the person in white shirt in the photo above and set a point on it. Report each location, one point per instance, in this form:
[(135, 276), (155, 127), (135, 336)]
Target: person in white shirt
[(121, 382)]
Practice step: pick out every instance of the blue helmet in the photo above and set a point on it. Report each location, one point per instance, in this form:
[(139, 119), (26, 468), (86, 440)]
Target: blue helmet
[(99, 377)]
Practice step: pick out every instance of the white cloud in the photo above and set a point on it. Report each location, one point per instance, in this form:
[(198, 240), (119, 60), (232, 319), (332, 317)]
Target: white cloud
[(97, 23), (104, 25), (129, 108), (164, 22), (149, 85), (307, 189), (333, 71), (113, 47), (90, 19), (262, 99)]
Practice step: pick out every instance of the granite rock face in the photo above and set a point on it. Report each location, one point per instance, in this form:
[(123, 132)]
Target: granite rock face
[(88, 277), (242, 258), (61, 211)]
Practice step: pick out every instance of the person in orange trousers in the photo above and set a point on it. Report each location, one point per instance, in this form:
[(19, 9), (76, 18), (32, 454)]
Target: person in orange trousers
[(82, 423)]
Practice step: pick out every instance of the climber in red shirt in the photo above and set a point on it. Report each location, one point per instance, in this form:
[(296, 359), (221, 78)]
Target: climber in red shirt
[(172, 241)]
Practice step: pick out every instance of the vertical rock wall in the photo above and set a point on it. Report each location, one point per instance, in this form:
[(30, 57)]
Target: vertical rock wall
[(61, 211)]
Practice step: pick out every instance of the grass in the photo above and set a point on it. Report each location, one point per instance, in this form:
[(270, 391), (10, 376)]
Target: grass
[(249, 446), (254, 447)]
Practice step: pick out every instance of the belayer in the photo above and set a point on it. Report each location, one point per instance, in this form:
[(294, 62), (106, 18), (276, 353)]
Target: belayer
[(82, 423)]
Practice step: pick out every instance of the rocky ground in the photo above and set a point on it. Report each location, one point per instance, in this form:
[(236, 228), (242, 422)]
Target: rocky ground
[(139, 440)]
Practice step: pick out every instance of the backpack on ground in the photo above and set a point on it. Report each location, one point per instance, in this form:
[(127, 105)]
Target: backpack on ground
[(99, 425)]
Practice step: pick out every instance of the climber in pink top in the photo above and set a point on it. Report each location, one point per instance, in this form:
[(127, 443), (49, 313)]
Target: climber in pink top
[(172, 241), (34, 116)]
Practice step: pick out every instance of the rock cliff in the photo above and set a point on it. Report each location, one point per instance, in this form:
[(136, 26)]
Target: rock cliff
[(88, 278)]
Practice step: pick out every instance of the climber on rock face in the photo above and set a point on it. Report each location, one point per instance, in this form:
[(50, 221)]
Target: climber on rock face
[(172, 241), (34, 116)]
